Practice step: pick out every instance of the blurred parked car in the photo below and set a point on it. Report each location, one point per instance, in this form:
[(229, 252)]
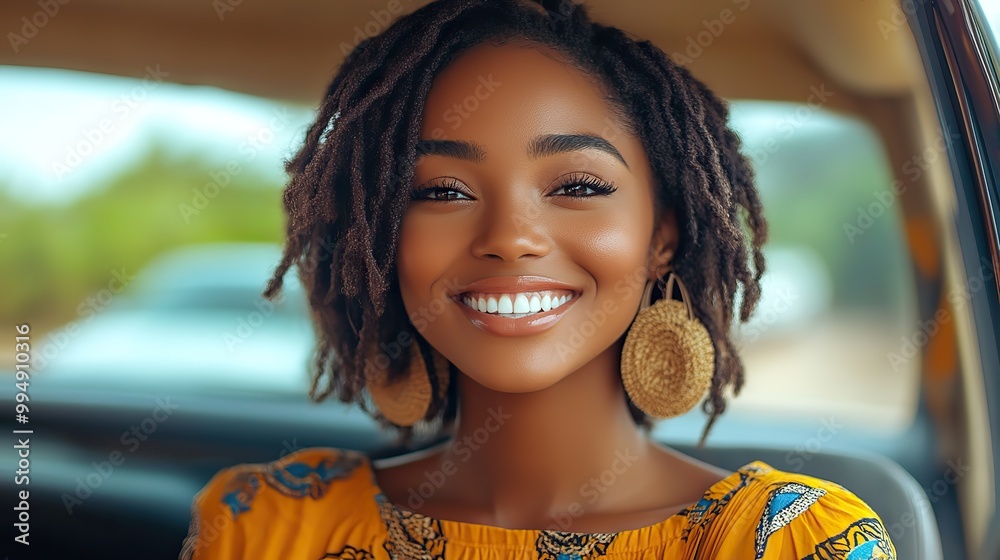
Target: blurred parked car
[(193, 321)]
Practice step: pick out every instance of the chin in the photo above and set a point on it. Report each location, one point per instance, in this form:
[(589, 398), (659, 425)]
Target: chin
[(499, 379)]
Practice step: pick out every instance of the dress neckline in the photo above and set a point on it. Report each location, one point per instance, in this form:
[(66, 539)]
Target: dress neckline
[(473, 532)]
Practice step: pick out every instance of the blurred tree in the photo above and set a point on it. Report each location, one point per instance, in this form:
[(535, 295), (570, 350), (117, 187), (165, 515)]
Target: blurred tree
[(55, 255)]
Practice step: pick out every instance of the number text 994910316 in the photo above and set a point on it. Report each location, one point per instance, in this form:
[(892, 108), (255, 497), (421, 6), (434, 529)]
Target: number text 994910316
[(22, 436)]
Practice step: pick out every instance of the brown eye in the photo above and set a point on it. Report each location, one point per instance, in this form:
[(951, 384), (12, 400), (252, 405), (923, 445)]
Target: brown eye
[(438, 193), (449, 189), (584, 187)]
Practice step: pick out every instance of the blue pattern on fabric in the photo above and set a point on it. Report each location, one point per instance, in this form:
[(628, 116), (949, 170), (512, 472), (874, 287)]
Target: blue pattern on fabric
[(701, 515), (558, 545), (294, 479), (865, 539), (781, 501), (865, 551), (784, 504), (301, 479), (239, 498)]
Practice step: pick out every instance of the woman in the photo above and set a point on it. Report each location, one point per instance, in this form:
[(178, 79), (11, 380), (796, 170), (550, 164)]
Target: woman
[(491, 198)]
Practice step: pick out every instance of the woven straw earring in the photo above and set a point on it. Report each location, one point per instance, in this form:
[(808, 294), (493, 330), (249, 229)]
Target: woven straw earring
[(668, 358), (406, 401)]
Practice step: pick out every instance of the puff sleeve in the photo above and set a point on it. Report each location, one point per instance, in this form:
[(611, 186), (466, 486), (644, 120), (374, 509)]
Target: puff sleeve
[(213, 532), (308, 504), (776, 515), (836, 525)]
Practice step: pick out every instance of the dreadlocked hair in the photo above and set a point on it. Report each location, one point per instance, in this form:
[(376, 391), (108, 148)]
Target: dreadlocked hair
[(349, 187)]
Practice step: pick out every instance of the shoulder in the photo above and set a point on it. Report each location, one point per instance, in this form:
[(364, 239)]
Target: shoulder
[(276, 496), (789, 515)]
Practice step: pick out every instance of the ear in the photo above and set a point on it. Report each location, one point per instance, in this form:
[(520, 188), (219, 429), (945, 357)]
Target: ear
[(663, 245)]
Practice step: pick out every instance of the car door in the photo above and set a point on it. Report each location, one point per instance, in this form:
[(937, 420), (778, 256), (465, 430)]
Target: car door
[(960, 56)]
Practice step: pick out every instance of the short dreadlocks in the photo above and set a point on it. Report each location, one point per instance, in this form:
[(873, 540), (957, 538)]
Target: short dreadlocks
[(349, 183)]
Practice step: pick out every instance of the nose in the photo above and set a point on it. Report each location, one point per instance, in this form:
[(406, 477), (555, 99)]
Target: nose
[(510, 232)]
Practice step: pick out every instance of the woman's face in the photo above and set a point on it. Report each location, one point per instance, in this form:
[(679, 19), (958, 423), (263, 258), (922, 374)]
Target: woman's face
[(519, 154)]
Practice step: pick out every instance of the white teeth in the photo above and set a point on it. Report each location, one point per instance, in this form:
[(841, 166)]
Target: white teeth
[(517, 305), (505, 305), (521, 304)]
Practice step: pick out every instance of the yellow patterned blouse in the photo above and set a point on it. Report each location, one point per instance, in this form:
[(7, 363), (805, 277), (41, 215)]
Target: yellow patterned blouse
[(324, 503)]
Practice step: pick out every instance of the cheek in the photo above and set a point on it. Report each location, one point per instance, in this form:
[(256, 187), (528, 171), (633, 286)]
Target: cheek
[(426, 249), (615, 243), (613, 250)]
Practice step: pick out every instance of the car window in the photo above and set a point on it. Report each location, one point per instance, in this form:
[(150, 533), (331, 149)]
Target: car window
[(835, 324), (144, 218)]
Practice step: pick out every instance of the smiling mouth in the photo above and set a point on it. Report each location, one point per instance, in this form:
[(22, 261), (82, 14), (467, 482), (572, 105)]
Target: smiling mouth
[(516, 305)]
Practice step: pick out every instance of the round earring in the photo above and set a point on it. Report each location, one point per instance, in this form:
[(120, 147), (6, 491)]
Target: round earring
[(668, 358), (406, 401)]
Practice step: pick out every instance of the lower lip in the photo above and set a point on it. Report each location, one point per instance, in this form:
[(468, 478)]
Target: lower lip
[(505, 326)]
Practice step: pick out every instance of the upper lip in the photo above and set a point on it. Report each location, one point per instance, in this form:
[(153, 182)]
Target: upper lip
[(515, 284)]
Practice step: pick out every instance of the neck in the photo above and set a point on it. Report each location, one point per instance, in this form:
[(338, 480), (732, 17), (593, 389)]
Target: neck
[(535, 456)]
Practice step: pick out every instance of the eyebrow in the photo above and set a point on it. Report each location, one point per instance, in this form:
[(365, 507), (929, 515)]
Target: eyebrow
[(547, 145)]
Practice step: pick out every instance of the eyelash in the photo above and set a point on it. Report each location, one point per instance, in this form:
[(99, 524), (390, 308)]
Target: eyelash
[(600, 188)]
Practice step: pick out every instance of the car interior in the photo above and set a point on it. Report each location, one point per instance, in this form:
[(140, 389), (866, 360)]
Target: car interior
[(932, 480)]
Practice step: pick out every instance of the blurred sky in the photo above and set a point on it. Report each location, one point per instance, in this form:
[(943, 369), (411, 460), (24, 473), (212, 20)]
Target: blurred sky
[(59, 114)]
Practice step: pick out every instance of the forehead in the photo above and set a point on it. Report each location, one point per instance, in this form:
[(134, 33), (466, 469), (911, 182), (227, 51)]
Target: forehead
[(506, 95)]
